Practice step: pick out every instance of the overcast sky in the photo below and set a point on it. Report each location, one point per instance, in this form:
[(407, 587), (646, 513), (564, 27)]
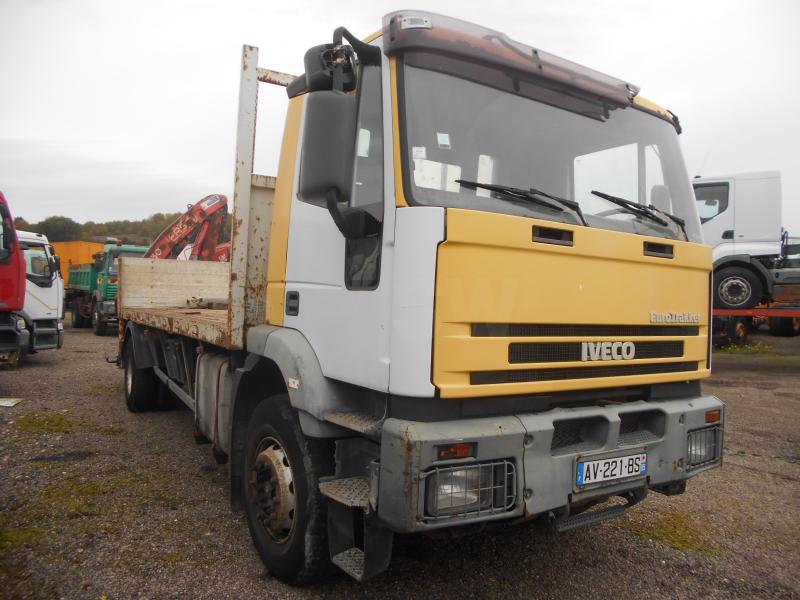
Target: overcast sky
[(118, 109)]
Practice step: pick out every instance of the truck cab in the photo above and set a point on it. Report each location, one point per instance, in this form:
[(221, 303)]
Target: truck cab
[(477, 294), (44, 293), (13, 333)]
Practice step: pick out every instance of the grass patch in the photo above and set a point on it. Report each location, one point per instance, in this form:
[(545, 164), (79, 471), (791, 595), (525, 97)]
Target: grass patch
[(76, 497), (678, 530), (43, 422), (747, 349), (103, 389), (14, 537)]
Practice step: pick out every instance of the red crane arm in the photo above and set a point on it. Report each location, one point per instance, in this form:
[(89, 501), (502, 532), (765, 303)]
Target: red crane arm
[(200, 226)]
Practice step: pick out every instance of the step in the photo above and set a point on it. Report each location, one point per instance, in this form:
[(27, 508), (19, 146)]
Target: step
[(351, 561), (361, 422), (589, 518), (351, 491)]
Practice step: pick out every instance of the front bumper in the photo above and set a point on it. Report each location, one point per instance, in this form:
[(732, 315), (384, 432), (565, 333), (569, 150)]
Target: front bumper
[(47, 334), (543, 450), (109, 308)]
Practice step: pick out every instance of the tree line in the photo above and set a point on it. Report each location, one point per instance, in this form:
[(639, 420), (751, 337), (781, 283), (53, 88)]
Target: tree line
[(142, 232)]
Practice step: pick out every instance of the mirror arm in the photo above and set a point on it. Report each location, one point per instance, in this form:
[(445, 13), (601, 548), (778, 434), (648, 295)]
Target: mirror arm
[(332, 201), (367, 53)]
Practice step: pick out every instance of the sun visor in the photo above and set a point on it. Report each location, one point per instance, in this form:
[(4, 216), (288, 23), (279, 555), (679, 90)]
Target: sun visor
[(417, 30)]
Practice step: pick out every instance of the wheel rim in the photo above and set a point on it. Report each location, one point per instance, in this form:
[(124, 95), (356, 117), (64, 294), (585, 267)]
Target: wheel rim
[(735, 290), (272, 490)]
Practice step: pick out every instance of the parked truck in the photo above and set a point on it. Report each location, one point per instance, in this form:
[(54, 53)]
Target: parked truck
[(742, 219), (442, 314), (75, 252), (755, 260), (92, 288), (43, 310), (13, 334)]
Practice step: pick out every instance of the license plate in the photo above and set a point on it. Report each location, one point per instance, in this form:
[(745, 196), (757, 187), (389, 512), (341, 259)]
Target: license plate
[(609, 469)]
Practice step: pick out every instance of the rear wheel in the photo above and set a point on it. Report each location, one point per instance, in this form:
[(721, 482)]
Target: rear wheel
[(78, 320), (784, 326), (141, 385), (736, 331), (286, 513), (736, 287), (98, 324)]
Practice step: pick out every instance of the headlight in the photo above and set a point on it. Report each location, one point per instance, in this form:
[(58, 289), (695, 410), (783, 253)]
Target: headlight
[(20, 324), (703, 446), (60, 326), (476, 488)]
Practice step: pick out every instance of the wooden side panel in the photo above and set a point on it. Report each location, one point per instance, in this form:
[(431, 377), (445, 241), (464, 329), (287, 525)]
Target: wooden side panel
[(156, 283)]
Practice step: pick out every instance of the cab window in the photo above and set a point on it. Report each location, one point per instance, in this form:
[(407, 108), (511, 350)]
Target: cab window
[(712, 199)]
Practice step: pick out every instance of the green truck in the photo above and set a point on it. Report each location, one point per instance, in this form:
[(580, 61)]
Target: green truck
[(91, 292)]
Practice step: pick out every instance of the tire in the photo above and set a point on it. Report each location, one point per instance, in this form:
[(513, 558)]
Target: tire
[(78, 320), (292, 542), (784, 326), (98, 324), (737, 287), (141, 386), (736, 331)]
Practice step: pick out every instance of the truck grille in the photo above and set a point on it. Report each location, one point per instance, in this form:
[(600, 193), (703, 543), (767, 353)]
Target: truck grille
[(525, 375), (571, 351), (550, 330)]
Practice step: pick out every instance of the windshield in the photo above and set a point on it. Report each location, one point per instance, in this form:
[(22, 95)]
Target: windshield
[(113, 268), (493, 127)]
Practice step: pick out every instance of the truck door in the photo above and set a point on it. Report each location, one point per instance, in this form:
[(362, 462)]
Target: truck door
[(717, 214), (44, 290), (758, 213), (338, 291)]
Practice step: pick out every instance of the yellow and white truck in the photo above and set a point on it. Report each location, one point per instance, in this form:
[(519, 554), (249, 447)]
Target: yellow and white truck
[(475, 293)]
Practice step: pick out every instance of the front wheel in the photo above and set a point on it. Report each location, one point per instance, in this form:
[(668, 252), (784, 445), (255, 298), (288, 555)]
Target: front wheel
[(286, 513), (736, 288)]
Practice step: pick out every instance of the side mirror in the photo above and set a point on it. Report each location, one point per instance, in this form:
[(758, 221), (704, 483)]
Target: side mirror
[(328, 160), (56, 263)]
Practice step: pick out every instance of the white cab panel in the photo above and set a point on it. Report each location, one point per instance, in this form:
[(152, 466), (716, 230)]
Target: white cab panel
[(418, 231)]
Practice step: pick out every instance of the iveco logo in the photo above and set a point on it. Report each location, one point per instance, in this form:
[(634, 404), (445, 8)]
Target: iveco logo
[(672, 317), (607, 351)]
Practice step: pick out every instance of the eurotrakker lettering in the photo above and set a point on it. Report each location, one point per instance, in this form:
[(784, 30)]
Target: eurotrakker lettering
[(674, 317), (607, 351)]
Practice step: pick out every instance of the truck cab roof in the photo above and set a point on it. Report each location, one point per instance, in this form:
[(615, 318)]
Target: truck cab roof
[(31, 236)]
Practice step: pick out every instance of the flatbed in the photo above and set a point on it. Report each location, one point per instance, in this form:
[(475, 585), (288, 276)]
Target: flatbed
[(205, 300)]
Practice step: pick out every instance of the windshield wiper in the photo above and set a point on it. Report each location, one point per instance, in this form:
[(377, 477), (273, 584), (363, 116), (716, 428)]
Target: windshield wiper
[(633, 207), (531, 195), (648, 211), (677, 220)]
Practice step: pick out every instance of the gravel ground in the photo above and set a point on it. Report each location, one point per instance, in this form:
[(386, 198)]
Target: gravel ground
[(98, 502)]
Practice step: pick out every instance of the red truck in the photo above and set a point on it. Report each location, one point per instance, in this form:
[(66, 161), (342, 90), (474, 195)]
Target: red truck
[(12, 289)]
